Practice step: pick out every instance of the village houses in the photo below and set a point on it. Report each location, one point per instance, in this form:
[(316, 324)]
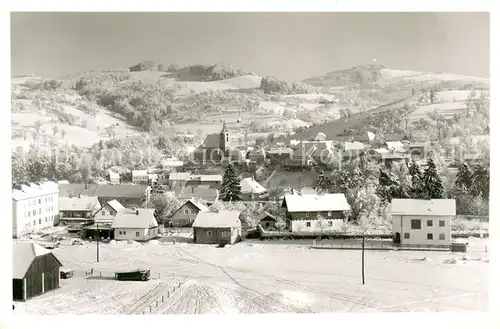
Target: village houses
[(315, 212), (252, 190), (78, 209), (34, 208), (140, 176), (136, 224), (114, 177), (184, 216), (222, 227), (422, 222)]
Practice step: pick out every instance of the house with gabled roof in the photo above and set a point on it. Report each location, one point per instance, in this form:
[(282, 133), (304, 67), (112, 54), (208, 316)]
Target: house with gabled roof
[(108, 212), (213, 181), (266, 220), (35, 270), (136, 224), (78, 209), (184, 216), (316, 212), (252, 190), (129, 195), (422, 222), (140, 176), (204, 193), (222, 227)]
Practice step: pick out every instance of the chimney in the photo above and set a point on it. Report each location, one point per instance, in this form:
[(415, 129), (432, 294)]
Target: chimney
[(137, 212)]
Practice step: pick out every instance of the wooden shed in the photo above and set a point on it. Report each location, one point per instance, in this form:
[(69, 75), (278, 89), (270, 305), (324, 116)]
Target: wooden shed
[(35, 271), (223, 227)]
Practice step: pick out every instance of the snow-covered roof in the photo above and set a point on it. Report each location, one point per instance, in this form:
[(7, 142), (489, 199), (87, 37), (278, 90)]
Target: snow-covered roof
[(221, 219), (394, 145), (138, 218), (139, 173), (113, 174), (211, 178), (354, 146), (316, 202), (24, 253), (81, 203), (34, 190), (197, 203), (172, 163), (117, 206), (418, 207), (62, 182), (250, 185), (179, 176)]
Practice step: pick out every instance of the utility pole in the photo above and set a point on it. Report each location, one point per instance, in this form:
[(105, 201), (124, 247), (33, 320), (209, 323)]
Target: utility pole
[(97, 229), (363, 259)]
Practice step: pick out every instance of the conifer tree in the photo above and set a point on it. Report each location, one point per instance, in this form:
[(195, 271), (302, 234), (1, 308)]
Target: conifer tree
[(464, 177), (480, 182), (416, 180), (230, 189), (433, 186)]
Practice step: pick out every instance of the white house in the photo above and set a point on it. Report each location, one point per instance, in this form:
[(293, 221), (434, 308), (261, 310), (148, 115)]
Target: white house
[(252, 190), (140, 176), (78, 209), (138, 224), (316, 212), (114, 177), (422, 222), (34, 207), (108, 212)]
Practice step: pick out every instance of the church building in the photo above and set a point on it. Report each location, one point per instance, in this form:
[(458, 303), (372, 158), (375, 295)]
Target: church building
[(214, 148)]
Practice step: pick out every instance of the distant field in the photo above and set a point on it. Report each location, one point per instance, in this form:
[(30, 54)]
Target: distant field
[(446, 109)]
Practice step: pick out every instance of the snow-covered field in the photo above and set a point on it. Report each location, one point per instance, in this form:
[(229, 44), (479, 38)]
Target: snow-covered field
[(255, 277)]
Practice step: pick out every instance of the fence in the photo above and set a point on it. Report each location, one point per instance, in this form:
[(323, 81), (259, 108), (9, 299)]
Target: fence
[(153, 299), (375, 245)]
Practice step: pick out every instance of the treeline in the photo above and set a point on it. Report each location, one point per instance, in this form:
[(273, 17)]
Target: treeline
[(216, 72), (272, 85)]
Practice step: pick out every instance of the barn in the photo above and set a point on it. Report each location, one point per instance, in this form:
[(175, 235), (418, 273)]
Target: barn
[(35, 271)]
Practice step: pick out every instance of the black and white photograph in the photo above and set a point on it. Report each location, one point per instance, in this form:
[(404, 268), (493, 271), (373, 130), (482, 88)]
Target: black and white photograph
[(185, 163)]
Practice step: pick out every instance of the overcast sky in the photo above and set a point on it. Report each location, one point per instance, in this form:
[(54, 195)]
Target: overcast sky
[(286, 45)]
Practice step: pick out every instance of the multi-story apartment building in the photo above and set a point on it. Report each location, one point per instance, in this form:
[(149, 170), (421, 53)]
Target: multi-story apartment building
[(34, 207)]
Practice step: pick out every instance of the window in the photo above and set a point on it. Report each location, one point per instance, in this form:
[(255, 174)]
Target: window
[(330, 223), (441, 236), (441, 223), (34, 222), (225, 234), (104, 213), (406, 236), (329, 214), (39, 221), (39, 201), (430, 236), (34, 212), (112, 213), (193, 211), (415, 224), (429, 222), (29, 214), (308, 224), (39, 211), (186, 211), (209, 233)]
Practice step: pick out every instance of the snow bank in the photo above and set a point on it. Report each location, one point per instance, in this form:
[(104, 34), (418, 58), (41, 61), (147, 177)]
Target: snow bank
[(134, 243), (112, 242), (154, 242), (296, 298)]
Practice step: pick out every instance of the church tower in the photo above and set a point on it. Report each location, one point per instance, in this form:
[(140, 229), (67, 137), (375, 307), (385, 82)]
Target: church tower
[(224, 139)]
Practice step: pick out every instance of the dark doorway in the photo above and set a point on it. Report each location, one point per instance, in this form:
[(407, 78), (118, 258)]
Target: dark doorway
[(397, 238)]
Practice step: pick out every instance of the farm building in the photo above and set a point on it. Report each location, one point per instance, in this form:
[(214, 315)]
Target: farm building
[(108, 212), (217, 227), (315, 212), (266, 220), (136, 224), (214, 181), (252, 190), (185, 215), (422, 222), (140, 176), (203, 192), (79, 209), (128, 195), (35, 271), (114, 177)]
